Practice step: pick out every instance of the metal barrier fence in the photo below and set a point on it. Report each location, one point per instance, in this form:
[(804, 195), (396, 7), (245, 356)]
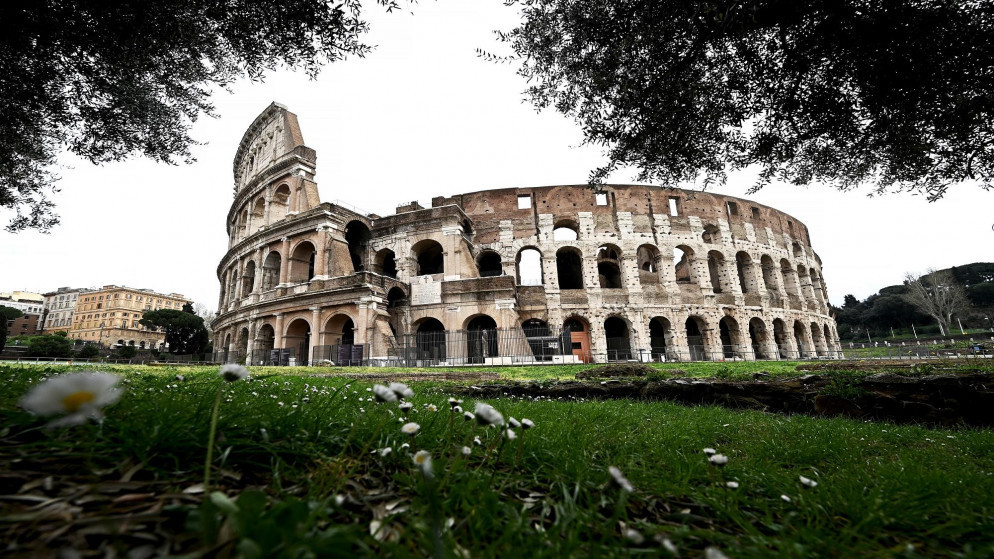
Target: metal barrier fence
[(544, 346)]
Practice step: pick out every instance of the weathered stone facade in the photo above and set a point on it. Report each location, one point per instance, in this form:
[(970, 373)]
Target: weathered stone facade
[(500, 276)]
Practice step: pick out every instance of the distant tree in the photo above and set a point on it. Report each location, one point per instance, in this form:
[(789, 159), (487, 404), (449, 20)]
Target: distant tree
[(892, 93), (936, 294), (185, 331), (49, 346), (88, 351), (108, 80), (127, 352), (850, 301), (6, 313), (62, 333), (982, 294), (205, 312)]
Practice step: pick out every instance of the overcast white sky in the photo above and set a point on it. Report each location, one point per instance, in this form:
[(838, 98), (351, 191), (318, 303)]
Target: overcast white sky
[(420, 117)]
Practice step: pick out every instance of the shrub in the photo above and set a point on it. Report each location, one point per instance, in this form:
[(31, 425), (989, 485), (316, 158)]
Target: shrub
[(88, 351), (49, 346)]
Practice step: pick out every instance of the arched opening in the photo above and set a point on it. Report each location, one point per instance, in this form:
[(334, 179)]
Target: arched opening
[(660, 337), (716, 269), (120, 343), (648, 264), (429, 256), (131, 343), (829, 339), (467, 228), (529, 264), (339, 342), (743, 265), (728, 331), (711, 234), (769, 274), (141, 344), (262, 352), (481, 339), (244, 224), (226, 350), (817, 286), (818, 341), (258, 214), (542, 343), (488, 263), (758, 338), (797, 250), (619, 344), (248, 278), (683, 256), (566, 230), (569, 265), (280, 205), (385, 263), (298, 341), (609, 267), (577, 334), (789, 278), (430, 341), (799, 340), (780, 338), (696, 326), (339, 330), (232, 285), (302, 262), (357, 236), (396, 297), (271, 271)]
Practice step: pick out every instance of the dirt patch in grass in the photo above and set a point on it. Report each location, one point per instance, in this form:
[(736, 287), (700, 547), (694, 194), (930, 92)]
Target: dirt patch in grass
[(947, 399), (616, 371)]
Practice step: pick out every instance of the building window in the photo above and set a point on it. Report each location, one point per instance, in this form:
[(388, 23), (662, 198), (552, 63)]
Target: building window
[(524, 202), (600, 198)]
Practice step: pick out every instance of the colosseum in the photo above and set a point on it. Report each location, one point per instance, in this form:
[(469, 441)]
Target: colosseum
[(553, 274)]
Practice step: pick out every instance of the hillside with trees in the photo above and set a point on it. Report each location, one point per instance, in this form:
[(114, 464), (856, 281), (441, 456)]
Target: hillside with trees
[(892, 310)]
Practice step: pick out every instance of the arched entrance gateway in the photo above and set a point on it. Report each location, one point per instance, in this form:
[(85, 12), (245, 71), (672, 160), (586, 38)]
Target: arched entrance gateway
[(578, 334), (481, 339), (617, 339), (297, 341), (430, 342)]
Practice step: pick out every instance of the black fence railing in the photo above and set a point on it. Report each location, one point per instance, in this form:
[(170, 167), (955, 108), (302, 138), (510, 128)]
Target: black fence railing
[(543, 346)]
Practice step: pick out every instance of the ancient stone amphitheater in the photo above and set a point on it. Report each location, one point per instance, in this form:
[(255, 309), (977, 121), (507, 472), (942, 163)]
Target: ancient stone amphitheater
[(554, 274)]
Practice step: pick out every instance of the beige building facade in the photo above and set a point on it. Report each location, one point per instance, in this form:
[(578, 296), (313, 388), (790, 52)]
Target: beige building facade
[(517, 275), (110, 316), (60, 305)]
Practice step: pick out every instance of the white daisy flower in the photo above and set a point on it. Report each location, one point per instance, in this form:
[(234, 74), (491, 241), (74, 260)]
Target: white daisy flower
[(510, 434), (232, 372), (785, 498), (453, 403), (405, 446), (714, 553), (432, 407), (732, 484), (718, 460), (468, 416), (457, 409), (78, 396), (405, 407), (401, 390), (634, 536), (477, 441), (710, 451), (385, 451), (620, 479), (808, 481), (411, 428), (527, 424), (422, 459), (384, 394), (466, 451), (514, 423), (487, 415)]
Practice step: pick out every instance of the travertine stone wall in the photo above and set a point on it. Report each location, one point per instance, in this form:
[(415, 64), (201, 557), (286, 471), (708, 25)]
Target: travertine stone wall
[(669, 274)]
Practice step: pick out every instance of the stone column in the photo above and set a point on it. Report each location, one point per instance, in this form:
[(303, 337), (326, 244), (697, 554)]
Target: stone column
[(249, 347), (285, 262), (320, 259), (315, 332), (260, 254), (278, 332)]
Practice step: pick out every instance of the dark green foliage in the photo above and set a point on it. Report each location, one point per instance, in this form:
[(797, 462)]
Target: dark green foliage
[(88, 351), (62, 333), (107, 80), (49, 346), (185, 331), (6, 313), (127, 352), (982, 294), (895, 93)]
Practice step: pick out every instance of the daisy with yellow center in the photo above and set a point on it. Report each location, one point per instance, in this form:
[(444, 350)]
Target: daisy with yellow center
[(76, 396)]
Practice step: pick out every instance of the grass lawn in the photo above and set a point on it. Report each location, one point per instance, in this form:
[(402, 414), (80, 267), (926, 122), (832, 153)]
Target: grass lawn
[(301, 469)]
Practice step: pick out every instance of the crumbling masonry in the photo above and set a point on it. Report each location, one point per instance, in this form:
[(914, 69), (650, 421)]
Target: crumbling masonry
[(517, 275)]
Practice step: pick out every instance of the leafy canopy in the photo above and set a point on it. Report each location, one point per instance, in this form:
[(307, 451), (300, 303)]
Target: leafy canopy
[(108, 80), (185, 331), (895, 93), (7, 313)]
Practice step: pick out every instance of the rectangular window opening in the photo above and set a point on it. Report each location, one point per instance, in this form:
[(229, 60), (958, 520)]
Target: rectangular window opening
[(674, 206), (733, 208), (601, 198), (524, 202)]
